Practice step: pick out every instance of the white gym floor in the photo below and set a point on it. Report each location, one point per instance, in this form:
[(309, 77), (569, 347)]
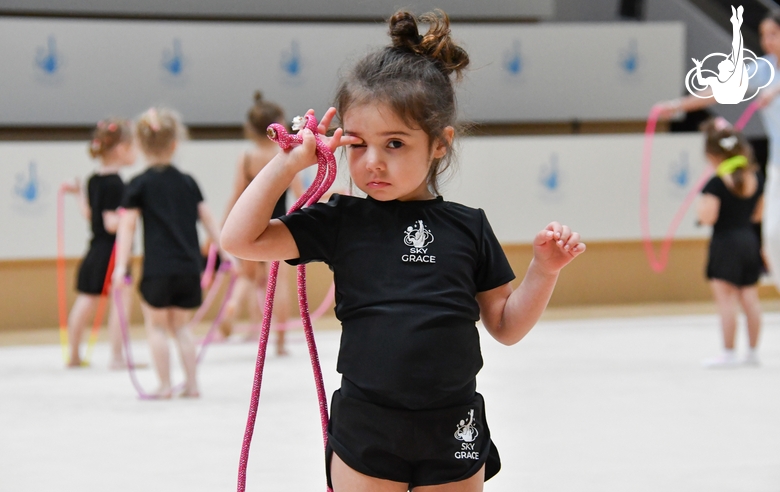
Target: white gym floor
[(602, 405)]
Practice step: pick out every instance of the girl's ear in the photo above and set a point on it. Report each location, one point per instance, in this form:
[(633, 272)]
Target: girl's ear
[(441, 145)]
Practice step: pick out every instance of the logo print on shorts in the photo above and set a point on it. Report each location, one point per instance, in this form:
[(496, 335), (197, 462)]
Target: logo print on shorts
[(418, 237), (467, 430)]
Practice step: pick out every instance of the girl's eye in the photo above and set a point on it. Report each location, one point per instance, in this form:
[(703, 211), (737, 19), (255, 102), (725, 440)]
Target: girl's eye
[(395, 144)]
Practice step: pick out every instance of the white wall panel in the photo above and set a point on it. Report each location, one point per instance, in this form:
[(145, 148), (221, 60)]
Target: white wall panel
[(589, 182), (75, 72)]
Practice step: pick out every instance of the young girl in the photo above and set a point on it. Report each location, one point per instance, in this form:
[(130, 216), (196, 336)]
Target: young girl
[(112, 144), (253, 275), (413, 272), (732, 203), (170, 203)]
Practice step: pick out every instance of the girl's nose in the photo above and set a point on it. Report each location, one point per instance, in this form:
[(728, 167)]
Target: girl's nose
[(373, 160)]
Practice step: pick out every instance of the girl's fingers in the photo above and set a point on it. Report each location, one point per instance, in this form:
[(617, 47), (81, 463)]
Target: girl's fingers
[(564, 235), (571, 243), (326, 120)]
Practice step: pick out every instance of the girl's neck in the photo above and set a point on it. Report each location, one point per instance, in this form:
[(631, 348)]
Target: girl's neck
[(159, 160), (108, 168), (264, 143)]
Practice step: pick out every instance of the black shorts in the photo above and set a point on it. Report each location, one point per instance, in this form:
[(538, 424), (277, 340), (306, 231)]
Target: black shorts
[(164, 291), (92, 271), (418, 447)]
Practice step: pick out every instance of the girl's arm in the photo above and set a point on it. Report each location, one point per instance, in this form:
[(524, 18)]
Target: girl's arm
[(758, 212), (708, 209), (75, 188), (207, 219), (239, 185), (110, 221), (124, 241), (686, 104), (249, 232), (509, 315)]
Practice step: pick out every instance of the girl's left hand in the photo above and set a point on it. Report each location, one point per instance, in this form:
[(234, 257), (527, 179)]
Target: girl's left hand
[(72, 186), (555, 246)]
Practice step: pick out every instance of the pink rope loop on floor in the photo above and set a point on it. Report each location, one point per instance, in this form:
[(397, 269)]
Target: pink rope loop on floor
[(660, 262), (326, 174)]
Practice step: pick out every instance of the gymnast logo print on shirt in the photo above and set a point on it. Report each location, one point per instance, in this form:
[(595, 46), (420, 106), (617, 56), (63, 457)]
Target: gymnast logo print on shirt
[(467, 432), (418, 238)]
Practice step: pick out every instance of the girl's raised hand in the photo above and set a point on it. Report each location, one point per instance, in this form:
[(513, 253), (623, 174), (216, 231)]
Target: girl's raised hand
[(338, 139), (555, 246), (72, 186)]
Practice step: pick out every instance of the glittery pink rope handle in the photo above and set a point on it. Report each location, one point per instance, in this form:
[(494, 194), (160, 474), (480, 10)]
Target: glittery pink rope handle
[(326, 174)]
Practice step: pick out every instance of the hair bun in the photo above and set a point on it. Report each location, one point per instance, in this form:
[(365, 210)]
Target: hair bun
[(258, 97), (436, 44), (404, 32)]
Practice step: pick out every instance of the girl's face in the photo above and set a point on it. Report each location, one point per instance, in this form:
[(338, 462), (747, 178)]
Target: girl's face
[(392, 160), (770, 37)]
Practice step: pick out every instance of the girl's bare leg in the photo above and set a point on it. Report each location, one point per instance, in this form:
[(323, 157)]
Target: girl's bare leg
[(80, 314), (748, 298), (233, 306), (156, 322), (178, 319), (115, 333), (726, 297), (345, 479)]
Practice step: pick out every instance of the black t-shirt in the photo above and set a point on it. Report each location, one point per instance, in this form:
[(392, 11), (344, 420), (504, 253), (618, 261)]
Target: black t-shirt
[(735, 212), (168, 200), (406, 276), (104, 192)]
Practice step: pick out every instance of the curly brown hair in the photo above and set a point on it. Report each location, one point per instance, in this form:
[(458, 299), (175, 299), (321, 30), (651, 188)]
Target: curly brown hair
[(412, 76)]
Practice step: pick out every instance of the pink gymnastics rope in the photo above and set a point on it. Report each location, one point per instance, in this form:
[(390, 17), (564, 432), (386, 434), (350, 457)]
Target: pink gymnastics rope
[(326, 174), (658, 264)]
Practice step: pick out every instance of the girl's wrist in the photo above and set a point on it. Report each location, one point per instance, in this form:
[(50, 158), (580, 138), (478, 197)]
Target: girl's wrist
[(537, 267)]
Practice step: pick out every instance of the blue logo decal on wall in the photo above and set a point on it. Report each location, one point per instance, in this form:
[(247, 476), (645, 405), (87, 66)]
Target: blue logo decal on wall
[(30, 195), (550, 180), (680, 172), (629, 58), (47, 59), (550, 175), (173, 59), (292, 64), (27, 185), (174, 65), (513, 59), (48, 63), (514, 66), (291, 60)]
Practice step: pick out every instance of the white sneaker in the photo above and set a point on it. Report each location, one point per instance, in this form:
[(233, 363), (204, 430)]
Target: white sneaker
[(751, 359), (725, 360)]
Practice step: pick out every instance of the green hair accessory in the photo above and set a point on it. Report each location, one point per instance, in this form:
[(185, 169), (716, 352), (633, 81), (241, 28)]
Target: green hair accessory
[(730, 165)]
